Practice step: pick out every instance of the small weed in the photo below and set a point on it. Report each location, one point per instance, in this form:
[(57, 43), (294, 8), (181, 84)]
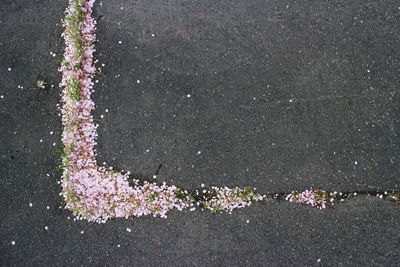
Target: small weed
[(153, 197), (74, 92), (39, 84), (216, 209)]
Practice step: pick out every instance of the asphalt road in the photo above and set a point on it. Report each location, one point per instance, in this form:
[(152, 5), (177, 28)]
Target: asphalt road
[(276, 95)]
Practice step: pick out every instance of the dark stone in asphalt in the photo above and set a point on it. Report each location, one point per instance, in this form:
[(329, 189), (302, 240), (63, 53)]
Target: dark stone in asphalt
[(283, 95)]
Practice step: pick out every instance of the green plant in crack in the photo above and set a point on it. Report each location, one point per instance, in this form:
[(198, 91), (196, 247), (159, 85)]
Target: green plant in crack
[(63, 156), (74, 90), (153, 197), (39, 84)]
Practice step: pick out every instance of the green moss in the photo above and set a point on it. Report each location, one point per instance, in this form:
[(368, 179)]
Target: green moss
[(321, 195), (72, 124), (153, 197), (247, 194), (65, 63), (179, 193), (73, 21), (216, 208), (74, 93)]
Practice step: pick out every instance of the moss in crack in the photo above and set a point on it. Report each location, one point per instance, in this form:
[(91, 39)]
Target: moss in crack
[(153, 197), (63, 156), (74, 91)]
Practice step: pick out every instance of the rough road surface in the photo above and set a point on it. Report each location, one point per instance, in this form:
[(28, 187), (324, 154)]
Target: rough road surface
[(277, 95)]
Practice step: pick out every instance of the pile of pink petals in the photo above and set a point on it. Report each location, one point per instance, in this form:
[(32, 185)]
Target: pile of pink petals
[(97, 194), (91, 192), (314, 197)]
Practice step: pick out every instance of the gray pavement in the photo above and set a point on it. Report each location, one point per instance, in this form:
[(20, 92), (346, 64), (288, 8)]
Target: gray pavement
[(277, 95)]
